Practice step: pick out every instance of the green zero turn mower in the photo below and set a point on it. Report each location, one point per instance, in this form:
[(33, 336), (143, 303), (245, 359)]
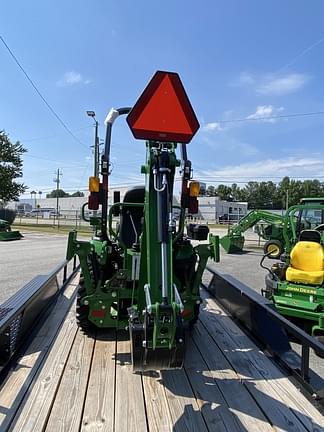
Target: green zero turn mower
[(5, 232), (145, 275), (296, 283)]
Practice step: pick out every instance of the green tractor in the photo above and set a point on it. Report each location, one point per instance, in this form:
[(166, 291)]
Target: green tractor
[(296, 283), (145, 275), (270, 229), (5, 232)]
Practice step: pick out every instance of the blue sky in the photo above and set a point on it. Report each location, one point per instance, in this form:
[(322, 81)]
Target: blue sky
[(236, 59)]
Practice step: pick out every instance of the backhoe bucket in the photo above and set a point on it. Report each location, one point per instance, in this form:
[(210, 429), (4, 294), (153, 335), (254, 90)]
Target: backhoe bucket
[(232, 244), (10, 235), (146, 359)]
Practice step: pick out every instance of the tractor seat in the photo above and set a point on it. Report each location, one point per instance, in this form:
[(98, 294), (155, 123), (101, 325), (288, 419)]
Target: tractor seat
[(127, 234), (306, 260)]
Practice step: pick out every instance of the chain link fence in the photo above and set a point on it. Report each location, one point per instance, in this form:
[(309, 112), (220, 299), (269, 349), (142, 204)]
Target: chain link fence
[(65, 218)]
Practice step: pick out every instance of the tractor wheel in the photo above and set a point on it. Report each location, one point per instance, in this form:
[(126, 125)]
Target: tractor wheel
[(82, 311), (273, 248)]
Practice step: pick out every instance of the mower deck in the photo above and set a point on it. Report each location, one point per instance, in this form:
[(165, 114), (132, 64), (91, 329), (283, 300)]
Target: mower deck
[(67, 381), (10, 235)]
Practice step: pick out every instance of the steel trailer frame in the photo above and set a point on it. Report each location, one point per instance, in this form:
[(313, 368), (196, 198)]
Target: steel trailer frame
[(20, 314)]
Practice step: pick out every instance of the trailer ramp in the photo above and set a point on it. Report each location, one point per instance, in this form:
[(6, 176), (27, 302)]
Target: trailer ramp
[(67, 381)]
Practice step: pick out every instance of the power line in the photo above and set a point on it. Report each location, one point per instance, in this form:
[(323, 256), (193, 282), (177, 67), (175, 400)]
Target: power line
[(305, 114), (63, 124), (51, 137), (262, 177), (301, 54)]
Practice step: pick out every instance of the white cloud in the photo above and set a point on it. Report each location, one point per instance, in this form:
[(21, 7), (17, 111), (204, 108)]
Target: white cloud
[(214, 126), (244, 79), (227, 144), (266, 113), (71, 78), (282, 85), (291, 166), (272, 85)]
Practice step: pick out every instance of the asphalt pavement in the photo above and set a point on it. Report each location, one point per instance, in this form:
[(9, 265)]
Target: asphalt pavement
[(22, 260)]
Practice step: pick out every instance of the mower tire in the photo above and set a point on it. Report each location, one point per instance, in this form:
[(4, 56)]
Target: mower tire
[(273, 246)]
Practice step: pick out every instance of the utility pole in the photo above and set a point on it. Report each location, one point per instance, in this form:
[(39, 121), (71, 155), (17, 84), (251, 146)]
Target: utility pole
[(57, 181), (96, 144), (96, 151), (287, 199)]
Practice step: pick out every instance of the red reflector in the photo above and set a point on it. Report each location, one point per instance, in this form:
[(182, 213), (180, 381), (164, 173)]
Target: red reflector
[(193, 205), (163, 112), (98, 313), (186, 313), (93, 201)]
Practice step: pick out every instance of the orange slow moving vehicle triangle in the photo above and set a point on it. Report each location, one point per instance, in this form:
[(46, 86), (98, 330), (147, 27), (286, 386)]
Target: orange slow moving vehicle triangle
[(163, 112)]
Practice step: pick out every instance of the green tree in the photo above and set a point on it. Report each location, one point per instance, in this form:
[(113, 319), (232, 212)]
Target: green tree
[(77, 194), (295, 192), (211, 191), (238, 194), (312, 188), (283, 191), (57, 193), (260, 195), (224, 192), (11, 165)]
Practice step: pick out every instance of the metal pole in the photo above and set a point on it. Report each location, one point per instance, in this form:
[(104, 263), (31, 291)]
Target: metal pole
[(57, 181), (96, 151), (57, 197)]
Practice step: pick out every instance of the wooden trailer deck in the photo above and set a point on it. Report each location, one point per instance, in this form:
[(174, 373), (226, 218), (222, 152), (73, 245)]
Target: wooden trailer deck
[(66, 381)]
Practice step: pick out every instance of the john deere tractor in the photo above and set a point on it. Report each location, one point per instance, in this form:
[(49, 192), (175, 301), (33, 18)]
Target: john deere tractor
[(296, 283), (144, 272)]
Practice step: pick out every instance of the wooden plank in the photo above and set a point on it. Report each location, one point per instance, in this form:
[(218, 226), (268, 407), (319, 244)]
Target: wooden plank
[(68, 404), (183, 406), (129, 403), (224, 402), (33, 413), (237, 397), (100, 398), (157, 408), (268, 398), (20, 378), (290, 394)]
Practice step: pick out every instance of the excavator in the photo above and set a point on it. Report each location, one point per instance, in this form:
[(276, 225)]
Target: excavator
[(143, 273)]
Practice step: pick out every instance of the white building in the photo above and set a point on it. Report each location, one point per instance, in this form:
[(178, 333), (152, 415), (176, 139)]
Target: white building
[(66, 203), (213, 209)]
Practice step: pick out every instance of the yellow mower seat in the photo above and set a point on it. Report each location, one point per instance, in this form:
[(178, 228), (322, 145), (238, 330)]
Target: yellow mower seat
[(306, 260)]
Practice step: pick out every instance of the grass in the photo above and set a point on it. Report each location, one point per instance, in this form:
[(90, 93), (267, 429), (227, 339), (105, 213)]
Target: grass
[(51, 229)]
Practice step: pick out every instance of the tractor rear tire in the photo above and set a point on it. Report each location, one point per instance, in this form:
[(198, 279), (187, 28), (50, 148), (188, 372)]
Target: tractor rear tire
[(273, 246), (82, 311)]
